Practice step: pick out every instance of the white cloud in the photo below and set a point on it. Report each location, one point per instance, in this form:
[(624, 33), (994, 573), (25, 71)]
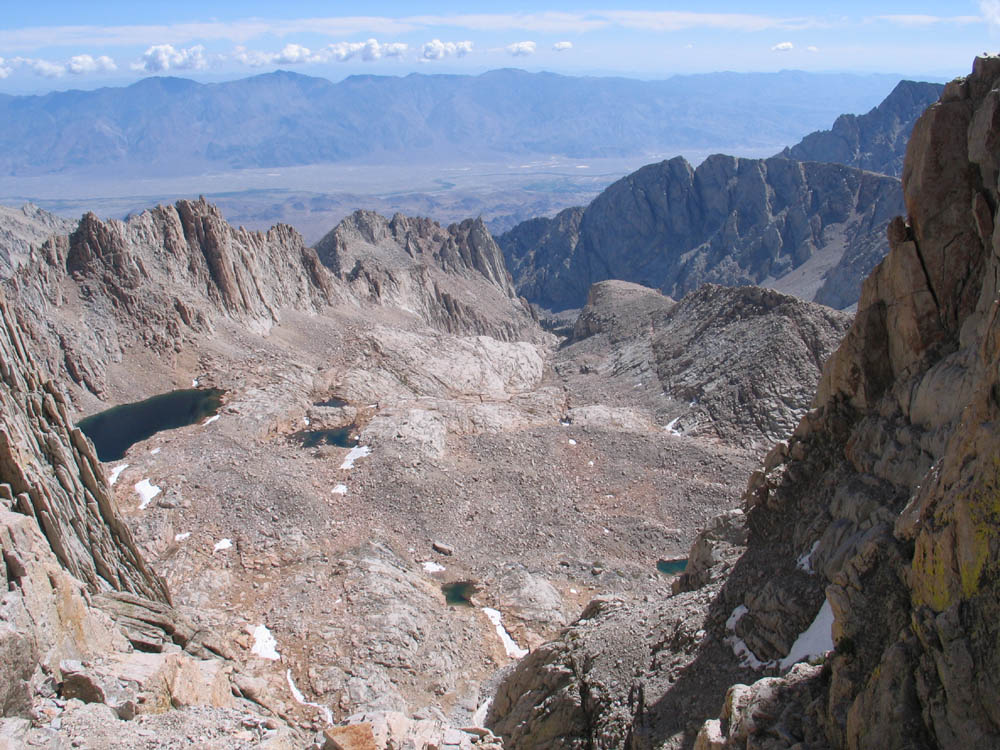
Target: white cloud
[(80, 64), (39, 67), (163, 57), (4, 69), (668, 20), (783, 47), (991, 10), (549, 22), (294, 54), (562, 46), (242, 31), (916, 19), (521, 49), (812, 48), (438, 50)]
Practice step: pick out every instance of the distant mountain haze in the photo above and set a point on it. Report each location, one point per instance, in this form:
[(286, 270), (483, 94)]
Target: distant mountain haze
[(813, 226), (173, 126)]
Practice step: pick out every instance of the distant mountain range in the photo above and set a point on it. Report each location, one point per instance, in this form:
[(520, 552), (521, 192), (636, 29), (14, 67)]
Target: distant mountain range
[(810, 221), (173, 126)]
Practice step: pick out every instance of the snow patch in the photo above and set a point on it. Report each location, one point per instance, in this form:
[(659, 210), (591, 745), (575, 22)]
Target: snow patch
[(194, 383), (116, 472), (747, 657), (222, 544), (509, 644), (301, 699), (339, 489), (358, 451), (432, 567), (147, 492), (672, 426), (479, 717), (209, 421), (154, 451), (815, 641), (264, 644), (572, 441), (805, 560), (182, 537), (305, 421)]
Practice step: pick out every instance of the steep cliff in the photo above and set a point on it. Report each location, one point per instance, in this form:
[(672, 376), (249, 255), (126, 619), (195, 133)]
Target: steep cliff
[(875, 141), (455, 277), (872, 544), (731, 221)]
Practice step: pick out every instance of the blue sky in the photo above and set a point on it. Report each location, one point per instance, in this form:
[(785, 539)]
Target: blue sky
[(60, 45)]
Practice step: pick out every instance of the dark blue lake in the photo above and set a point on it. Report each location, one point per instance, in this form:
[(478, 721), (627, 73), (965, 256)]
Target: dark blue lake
[(116, 430)]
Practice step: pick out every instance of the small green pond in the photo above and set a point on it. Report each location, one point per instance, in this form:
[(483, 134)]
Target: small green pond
[(459, 593)]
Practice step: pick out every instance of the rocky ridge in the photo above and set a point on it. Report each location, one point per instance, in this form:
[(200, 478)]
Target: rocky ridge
[(875, 141), (871, 529), (731, 221), (23, 228), (417, 265), (154, 281)]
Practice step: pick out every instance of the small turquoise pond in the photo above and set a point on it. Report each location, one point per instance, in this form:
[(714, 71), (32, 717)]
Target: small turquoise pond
[(671, 567), (116, 430)]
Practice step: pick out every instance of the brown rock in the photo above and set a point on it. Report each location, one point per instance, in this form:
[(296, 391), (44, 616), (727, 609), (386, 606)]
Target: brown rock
[(351, 737)]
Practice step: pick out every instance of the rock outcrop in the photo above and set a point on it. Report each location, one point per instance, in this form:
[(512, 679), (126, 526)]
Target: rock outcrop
[(745, 360), (875, 141), (454, 278), (738, 364), (731, 221)]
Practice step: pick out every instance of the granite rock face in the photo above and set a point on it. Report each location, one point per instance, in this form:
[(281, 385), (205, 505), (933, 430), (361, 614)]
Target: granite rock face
[(731, 221), (454, 278), (876, 141), (49, 471)]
